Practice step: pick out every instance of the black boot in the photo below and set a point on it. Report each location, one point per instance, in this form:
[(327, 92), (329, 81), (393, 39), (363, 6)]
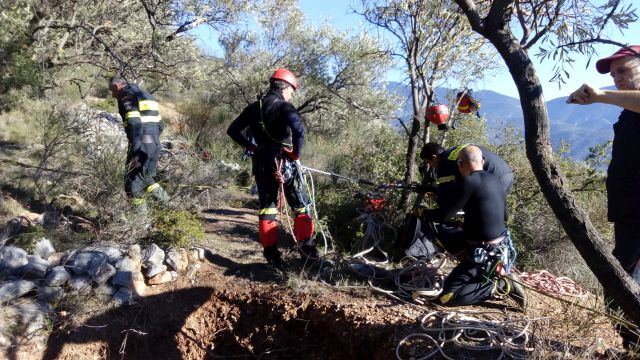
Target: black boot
[(274, 257), (515, 290), (308, 250)]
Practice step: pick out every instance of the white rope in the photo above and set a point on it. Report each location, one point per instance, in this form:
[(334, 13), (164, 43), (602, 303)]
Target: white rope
[(376, 226), (472, 331)]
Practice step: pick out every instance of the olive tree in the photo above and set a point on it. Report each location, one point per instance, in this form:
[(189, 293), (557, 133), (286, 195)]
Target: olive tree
[(567, 26)]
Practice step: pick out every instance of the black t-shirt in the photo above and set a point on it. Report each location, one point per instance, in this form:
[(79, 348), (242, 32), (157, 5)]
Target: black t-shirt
[(623, 175), (482, 197)]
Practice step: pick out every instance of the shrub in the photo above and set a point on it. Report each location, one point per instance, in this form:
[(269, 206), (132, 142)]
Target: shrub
[(176, 228)]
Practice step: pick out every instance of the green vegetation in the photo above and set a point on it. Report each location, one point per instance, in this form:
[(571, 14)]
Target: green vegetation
[(176, 228)]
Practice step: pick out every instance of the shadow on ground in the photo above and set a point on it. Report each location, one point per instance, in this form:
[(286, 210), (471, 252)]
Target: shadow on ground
[(145, 330)]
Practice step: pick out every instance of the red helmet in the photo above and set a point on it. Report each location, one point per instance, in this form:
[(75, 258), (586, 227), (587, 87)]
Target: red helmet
[(286, 76)]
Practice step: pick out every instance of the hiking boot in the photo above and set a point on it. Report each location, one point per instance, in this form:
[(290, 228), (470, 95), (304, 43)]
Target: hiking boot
[(308, 252), (515, 290), (274, 258)]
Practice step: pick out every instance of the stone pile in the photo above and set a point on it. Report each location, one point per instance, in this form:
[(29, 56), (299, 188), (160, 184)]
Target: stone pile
[(109, 273)]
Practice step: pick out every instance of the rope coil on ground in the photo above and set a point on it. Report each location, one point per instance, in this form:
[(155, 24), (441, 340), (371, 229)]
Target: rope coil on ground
[(545, 282), (376, 226), (468, 330)]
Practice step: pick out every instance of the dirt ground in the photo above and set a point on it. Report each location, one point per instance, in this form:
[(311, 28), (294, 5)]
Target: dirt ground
[(237, 307)]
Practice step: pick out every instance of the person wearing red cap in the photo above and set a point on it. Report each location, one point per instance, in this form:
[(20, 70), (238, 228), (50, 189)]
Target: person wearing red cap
[(279, 136), (623, 174)]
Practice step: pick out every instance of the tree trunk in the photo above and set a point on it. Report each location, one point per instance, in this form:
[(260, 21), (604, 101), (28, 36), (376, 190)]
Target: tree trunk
[(414, 138), (575, 222)]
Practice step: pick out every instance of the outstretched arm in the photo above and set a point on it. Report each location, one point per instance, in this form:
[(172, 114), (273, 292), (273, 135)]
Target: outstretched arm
[(587, 94)]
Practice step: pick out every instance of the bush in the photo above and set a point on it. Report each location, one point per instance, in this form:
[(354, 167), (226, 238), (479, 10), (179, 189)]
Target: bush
[(176, 228)]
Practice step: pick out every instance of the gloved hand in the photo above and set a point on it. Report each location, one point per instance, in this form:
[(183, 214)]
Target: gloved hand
[(290, 154)]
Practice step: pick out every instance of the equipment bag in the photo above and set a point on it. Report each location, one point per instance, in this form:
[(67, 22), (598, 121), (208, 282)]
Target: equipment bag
[(421, 237)]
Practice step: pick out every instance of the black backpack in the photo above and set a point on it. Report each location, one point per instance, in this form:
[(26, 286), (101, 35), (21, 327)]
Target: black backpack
[(421, 237)]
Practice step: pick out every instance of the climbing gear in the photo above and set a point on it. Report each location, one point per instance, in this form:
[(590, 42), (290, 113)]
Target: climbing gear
[(264, 127), (467, 330), (466, 103), (286, 76), (516, 290), (337, 176), (438, 115), (288, 152), (546, 283)]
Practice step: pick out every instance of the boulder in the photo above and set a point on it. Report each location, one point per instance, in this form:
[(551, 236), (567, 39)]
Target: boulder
[(14, 289), (125, 264), (122, 296), (55, 259), (192, 270), (80, 284), (154, 270), (135, 253), (86, 263), (122, 278), (33, 316), (44, 248), (36, 268), (152, 256), (57, 276), (50, 294), (176, 260), (12, 257), (104, 274), (104, 292), (113, 253), (161, 278)]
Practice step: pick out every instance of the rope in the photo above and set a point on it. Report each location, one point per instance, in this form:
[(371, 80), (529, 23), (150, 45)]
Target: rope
[(374, 235), (545, 282), (468, 330)]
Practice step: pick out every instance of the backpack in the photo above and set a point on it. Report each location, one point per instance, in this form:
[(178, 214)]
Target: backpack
[(421, 237)]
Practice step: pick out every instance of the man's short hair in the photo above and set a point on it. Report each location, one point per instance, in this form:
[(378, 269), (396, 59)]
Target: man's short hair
[(117, 80), (431, 149), (278, 85)]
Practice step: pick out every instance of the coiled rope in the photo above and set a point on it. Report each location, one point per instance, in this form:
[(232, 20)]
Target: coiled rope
[(468, 330), (376, 228), (545, 282)]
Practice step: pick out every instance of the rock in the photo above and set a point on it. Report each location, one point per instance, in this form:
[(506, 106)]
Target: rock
[(57, 276), (50, 294), (135, 253), (14, 289), (33, 316), (122, 278), (113, 254), (161, 278), (81, 284), (125, 264), (152, 256), (198, 253), (122, 296), (104, 292), (192, 270), (104, 274), (36, 268), (87, 263), (32, 217), (174, 275), (175, 260), (55, 259), (154, 270), (12, 257), (44, 248), (184, 256)]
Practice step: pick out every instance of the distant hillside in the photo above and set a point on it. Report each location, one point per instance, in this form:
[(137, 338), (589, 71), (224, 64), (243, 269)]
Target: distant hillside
[(580, 126)]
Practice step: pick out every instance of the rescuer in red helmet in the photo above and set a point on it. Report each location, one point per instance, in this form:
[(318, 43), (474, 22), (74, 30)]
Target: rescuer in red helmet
[(279, 136)]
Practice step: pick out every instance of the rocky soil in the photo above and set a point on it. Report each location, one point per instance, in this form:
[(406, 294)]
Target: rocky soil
[(234, 306)]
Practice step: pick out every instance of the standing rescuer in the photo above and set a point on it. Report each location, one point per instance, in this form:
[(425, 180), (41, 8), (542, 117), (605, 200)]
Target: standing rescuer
[(623, 174), (141, 119), (279, 136)]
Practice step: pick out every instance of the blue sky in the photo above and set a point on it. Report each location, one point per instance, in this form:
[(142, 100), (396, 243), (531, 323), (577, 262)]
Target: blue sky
[(338, 13)]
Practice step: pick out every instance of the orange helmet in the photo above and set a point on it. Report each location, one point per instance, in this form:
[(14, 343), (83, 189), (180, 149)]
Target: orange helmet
[(286, 76)]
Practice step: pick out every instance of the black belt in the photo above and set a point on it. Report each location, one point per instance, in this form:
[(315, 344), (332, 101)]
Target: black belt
[(495, 241)]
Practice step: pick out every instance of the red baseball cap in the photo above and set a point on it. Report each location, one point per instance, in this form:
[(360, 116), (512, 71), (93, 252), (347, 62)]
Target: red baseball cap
[(603, 65)]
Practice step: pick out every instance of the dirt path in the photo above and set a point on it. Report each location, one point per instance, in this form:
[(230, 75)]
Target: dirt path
[(237, 307)]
